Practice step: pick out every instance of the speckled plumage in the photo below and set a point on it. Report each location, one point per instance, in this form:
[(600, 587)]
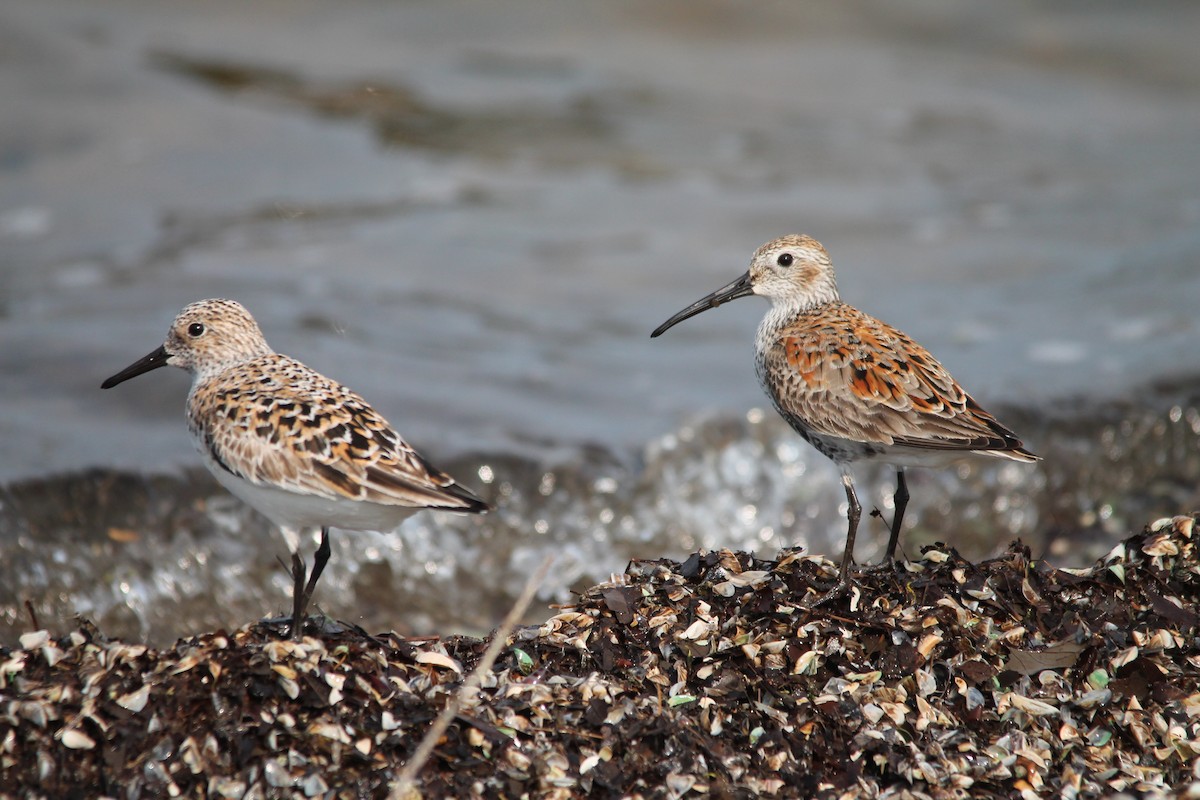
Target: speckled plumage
[(304, 450), (858, 388), (851, 385), (273, 421)]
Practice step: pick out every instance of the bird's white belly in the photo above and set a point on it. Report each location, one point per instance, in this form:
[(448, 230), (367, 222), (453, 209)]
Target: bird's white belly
[(293, 510), (843, 451)]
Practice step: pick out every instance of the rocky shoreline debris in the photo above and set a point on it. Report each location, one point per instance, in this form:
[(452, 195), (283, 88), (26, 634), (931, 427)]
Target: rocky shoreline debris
[(707, 677)]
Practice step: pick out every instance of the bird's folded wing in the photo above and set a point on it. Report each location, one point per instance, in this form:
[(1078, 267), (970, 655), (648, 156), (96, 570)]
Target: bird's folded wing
[(318, 438), (875, 385)]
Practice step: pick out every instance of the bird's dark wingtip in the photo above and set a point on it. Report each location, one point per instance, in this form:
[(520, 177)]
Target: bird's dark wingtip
[(471, 502), (1023, 454)]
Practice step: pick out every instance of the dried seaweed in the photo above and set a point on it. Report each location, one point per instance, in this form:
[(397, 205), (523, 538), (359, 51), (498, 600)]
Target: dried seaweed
[(933, 678)]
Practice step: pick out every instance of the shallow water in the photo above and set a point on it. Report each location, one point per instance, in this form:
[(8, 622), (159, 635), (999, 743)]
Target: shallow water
[(475, 216)]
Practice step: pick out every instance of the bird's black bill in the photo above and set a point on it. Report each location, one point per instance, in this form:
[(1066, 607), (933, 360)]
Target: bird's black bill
[(153, 361), (739, 288)]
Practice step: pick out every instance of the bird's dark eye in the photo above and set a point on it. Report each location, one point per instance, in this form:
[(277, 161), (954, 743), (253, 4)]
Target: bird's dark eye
[(196, 329), (784, 260)]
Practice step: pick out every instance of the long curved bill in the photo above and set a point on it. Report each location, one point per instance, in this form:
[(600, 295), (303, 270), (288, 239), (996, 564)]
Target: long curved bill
[(152, 361), (739, 288)]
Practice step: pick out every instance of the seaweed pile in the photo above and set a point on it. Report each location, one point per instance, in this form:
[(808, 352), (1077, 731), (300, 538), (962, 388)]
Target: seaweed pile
[(932, 678)]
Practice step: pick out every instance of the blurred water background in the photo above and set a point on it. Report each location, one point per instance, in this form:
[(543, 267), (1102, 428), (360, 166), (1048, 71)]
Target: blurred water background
[(474, 214)]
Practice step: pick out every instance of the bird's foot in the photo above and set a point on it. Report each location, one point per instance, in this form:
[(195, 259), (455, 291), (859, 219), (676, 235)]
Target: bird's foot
[(839, 590), (892, 564)]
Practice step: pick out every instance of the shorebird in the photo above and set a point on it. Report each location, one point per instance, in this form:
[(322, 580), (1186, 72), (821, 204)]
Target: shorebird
[(853, 387), (305, 451)]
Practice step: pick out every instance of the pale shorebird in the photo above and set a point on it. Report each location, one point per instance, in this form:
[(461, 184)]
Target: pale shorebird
[(304, 450), (855, 388)]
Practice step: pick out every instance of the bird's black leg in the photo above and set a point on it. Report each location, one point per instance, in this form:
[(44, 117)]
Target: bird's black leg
[(298, 600), (900, 500), (853, 513), (319, 561), (302, 592)]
